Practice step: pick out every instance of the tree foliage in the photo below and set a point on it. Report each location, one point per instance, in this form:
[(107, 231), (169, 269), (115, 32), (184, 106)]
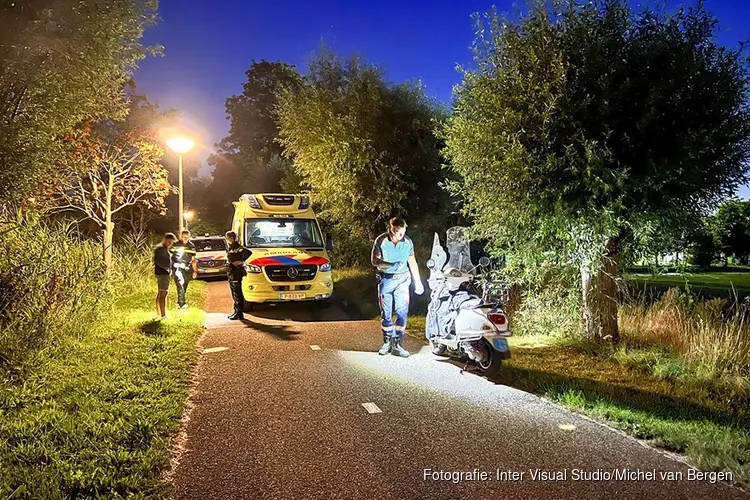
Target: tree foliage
[(112, 166), (583, 123), (245, 161), (365, 147), (732, 223), (61, 62)]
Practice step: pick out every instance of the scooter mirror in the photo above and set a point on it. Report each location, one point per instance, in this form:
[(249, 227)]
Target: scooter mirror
[(484, 262), (430, 264)]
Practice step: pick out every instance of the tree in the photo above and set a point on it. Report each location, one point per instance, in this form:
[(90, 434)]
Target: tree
[(61, 62), (733, 227), (705, 243), (365, 148), (244, 159), (114, 165), (584, 122)]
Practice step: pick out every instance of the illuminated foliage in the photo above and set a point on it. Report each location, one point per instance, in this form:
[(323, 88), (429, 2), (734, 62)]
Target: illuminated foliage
[(585, 124)]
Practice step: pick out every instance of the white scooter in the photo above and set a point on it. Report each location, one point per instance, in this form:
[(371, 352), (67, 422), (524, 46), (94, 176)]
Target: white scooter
[(459, 321)]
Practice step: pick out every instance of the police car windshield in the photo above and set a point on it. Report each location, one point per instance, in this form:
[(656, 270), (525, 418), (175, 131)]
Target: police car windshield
[(276, 232), (210, 245)]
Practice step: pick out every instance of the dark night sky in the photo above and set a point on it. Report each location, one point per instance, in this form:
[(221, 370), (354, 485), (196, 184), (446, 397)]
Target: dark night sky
[(208, 45)]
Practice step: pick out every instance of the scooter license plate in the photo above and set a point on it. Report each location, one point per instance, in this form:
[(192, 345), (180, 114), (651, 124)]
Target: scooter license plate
[(500, 344), (291, 296)]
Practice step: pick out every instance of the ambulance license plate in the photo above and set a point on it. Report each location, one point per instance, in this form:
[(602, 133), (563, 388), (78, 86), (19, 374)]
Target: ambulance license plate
[(291, 296)]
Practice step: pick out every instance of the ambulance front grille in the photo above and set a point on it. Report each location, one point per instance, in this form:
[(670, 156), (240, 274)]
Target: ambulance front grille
[(291, 273)]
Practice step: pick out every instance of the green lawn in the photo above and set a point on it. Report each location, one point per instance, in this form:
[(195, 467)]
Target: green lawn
[(714, 284), (96, 418)]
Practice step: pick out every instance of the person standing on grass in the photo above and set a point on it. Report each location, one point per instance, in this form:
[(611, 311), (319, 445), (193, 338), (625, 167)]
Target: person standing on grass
[(236, 257), (162, 270), (185, 266), (393, 256)]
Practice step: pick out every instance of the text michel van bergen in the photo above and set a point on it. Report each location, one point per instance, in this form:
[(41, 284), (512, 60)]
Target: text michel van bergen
[(576, 475)]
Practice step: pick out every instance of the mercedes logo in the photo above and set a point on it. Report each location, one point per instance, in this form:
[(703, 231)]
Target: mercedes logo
[(292, 272)]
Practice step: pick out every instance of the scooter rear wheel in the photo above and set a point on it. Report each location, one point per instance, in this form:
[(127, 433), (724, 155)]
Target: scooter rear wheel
[(492, 362), (437, 348)]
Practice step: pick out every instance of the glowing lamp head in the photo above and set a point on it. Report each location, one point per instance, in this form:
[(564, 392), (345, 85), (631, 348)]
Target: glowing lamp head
[(180, 145)]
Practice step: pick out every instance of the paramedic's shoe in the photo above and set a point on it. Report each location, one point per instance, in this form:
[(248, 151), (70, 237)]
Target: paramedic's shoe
[(235, 317), (184, 306), (386, 346), (397, 347)]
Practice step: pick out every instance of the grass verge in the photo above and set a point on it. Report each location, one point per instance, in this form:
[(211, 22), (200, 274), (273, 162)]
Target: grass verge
[(647, 392), (709, 425), (96, 416)]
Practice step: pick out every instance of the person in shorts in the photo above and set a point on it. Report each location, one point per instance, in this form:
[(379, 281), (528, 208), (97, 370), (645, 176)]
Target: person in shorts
[(162, 271)]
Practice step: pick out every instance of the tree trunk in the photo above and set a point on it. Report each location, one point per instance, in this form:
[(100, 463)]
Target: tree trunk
[(108, 229), (600, 295)]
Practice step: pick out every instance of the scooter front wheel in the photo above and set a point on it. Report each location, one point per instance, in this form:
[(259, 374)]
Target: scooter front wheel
[(491, 362), (437, 348)]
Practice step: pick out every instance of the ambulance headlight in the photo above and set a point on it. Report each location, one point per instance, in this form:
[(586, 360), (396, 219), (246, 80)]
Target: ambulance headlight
[(252, 268), (325, 267)]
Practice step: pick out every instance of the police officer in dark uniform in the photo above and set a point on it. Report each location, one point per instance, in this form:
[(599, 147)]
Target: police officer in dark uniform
[(184, 266), (236, 257)]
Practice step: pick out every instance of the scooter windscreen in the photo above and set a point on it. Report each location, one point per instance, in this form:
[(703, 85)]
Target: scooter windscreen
[(459, 251)]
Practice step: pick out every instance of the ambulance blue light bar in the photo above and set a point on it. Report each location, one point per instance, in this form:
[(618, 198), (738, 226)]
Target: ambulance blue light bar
[(253, 201)]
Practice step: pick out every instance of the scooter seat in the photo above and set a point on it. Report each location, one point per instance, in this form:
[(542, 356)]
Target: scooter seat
[(492, 305)]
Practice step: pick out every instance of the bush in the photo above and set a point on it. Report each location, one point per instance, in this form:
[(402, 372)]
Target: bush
[(50, 283), (350, 251), (549, 311)]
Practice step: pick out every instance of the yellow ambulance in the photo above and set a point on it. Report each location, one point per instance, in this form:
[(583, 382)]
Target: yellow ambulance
[(289, 260)]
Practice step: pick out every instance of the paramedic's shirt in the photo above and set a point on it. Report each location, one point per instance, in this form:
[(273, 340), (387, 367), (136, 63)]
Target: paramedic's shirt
[(397, 254)]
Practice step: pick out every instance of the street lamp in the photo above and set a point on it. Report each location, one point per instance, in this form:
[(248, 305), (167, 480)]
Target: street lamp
[(180, 145), (188, 216)]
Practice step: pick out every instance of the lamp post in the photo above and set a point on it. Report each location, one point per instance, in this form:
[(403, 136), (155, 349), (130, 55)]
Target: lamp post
[(180, 145)]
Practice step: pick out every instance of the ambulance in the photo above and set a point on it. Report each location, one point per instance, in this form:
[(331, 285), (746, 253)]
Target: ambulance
[(289, 260)]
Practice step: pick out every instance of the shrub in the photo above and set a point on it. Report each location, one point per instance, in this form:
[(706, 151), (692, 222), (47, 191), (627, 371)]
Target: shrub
[(50, 282)]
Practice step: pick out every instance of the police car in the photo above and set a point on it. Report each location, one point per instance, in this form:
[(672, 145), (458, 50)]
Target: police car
[(210, 254)]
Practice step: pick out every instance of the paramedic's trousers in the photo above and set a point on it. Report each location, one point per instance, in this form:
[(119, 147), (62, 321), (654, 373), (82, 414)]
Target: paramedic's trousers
[(235, 286), (181, 279), (393, 295)]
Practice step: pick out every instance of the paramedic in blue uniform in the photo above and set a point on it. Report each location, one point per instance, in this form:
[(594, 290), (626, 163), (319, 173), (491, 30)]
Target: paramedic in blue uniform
[(393, 256)]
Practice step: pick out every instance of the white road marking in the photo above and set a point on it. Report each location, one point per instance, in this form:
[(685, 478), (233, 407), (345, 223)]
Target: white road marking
[(215, 349), (372, 408), (315, 347), (567, 427)]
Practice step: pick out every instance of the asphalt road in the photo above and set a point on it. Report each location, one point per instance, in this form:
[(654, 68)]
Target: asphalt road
[(275, 419)]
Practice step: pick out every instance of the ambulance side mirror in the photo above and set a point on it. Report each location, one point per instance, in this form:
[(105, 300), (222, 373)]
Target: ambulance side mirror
[(329, 242)]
